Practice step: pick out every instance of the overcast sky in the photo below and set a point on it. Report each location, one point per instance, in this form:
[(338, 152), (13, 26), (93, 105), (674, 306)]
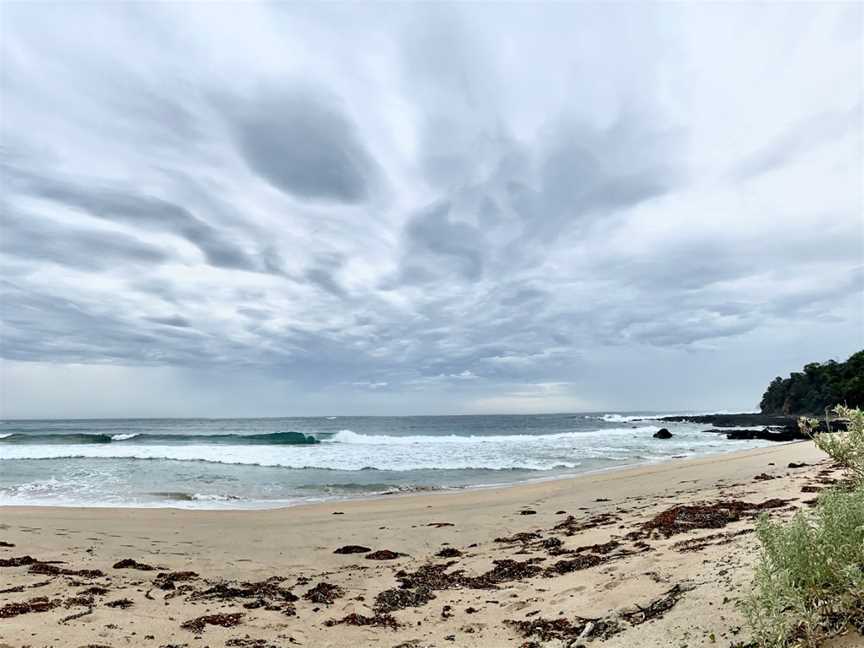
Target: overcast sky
[(262, 210)]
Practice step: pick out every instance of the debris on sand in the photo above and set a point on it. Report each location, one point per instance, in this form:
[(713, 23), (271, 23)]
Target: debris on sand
[(399, 599), (523, 537), (166, 580), (449, 552), (77, 615), (224, 620), (683, 518), (504, 571), (763, 477), (435, 577), (352, 549), (377, 621), (432, 576), (19, 561), (49, 569), (605, 548), (383, 554), (574, 564), (129, 563), (439, 525), (267, 592), (74, 601), (713, 540), (566, 630), (6, 544), (246, 642), (571, 525), (95, 590), (658, 607), (38, 604), (587, 629), (324, 593), (122, 603), (527, 512), (793, 464)]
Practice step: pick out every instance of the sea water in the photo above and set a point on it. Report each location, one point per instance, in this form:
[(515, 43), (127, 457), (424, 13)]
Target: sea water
[(255, 463)]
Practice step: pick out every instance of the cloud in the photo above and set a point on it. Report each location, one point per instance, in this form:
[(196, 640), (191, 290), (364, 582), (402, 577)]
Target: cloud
[(119, 205), (797, 141), (430, 208), (437, 243), (30, 238), (303, 143)]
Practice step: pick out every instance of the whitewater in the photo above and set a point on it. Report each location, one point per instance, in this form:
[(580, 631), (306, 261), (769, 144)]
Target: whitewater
[(217, 463)]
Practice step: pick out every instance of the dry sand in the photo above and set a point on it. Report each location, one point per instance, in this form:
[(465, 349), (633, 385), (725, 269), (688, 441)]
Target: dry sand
[(686, 588)]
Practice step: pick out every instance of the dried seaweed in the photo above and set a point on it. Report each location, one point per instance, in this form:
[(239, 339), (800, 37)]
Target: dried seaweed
[(352, 549), (38, 604), (383, 554), (224, 620), (324, 593), (122, 603), (377, 621), (683, 518), (167, 580), (267, 591), (574, 564), (566, 630), (399, 599), (449, 552), (129, 563), (571, 525), (658, 607)]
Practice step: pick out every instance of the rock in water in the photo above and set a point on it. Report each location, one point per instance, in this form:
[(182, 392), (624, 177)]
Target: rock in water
[(662, 433)]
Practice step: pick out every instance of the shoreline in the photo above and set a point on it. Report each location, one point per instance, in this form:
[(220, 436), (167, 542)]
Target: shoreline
[(577, 546)]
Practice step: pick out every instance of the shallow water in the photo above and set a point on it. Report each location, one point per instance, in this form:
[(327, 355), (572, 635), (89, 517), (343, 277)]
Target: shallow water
[(234, 463)]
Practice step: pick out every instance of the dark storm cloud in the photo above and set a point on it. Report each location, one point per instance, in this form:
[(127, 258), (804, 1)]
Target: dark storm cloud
[(303, 143)]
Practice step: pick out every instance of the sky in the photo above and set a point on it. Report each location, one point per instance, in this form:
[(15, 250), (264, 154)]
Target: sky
[(230, 209)]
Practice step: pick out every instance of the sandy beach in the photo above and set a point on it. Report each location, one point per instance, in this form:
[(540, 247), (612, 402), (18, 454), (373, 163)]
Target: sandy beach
[(583, 559)]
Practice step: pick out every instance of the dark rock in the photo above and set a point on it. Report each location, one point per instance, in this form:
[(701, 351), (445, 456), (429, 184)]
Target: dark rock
[(662, 433), (774, 427)]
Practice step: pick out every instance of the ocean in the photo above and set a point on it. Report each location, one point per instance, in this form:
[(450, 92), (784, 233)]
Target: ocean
[(260, 463)]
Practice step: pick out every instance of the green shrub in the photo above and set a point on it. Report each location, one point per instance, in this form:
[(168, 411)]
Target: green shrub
[(809, 581), (846, 448)]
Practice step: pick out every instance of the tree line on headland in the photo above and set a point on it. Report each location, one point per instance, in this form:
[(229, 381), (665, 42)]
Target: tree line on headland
[(821, 385)]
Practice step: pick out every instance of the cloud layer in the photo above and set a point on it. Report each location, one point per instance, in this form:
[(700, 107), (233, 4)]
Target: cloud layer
[(301, 209)]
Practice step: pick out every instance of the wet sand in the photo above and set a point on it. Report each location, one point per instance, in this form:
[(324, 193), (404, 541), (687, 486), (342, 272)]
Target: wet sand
[(609, 557)]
